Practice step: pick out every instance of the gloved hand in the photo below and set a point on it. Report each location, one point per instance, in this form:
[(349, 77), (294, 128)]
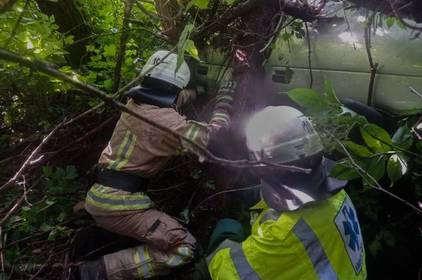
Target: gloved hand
[(223, 106)]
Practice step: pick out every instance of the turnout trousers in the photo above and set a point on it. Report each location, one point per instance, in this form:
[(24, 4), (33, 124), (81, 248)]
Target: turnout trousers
[(167, 244)]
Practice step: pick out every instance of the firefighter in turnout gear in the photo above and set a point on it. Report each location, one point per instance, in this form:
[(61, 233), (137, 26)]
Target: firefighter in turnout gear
[(308, 227), (118, 200)]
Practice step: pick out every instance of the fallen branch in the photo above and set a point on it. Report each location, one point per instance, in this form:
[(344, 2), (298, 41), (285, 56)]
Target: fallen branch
[(29, 161), (205, 154)]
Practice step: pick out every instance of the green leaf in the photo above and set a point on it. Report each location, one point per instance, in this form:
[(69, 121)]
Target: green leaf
[(357, 150), (396, 167), (376, 138), (110, 50), (403, 137), (47, 171), (181, 45), (330, 93), (229, 2), (374, 166), (390, 21), (201, 4), (344, 171), (191, 49), (308, 99), (419, 146)]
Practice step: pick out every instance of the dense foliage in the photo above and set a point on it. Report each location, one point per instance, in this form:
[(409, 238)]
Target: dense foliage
[(37, 237)]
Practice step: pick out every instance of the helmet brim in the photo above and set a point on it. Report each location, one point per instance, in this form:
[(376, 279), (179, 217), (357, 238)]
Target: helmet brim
[(293, 193), (143, 95)]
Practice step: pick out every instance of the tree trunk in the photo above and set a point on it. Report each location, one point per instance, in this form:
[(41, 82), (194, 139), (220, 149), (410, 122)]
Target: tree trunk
[(71, 20)]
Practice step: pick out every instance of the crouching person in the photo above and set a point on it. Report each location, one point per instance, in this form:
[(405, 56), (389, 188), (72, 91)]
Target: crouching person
[(308, 228), (119, 202)]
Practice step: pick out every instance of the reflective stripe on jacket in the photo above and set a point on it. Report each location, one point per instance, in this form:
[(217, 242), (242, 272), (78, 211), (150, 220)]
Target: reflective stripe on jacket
[(321, 241), (141, 149)]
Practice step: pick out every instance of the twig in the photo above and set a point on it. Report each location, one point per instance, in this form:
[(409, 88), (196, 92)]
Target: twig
[(16, 26), (405, 23), (122, 46), (206, 155), (374, 66), (12, 210), (308, 40), (414, 91), (375, 184), (223, 192), (1, 249), (27, 163), (158, 35), (41, 268)]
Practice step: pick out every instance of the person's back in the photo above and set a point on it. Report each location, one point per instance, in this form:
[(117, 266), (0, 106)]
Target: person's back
[(308, 228)]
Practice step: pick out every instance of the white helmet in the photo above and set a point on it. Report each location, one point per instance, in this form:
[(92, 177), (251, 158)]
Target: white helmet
[(281, 134), (166, 70)]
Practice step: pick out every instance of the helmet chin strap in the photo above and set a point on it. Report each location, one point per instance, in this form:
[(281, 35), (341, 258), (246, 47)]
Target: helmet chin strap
[(290, 191)]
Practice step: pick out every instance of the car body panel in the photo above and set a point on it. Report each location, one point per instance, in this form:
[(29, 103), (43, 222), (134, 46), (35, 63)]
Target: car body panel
[(338, 53)]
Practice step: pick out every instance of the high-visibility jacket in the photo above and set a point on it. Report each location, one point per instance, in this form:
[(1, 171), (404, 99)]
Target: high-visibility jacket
[(321, 241)]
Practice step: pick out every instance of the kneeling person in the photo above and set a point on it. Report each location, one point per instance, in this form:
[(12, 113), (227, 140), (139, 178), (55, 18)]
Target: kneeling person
[(118, 201)]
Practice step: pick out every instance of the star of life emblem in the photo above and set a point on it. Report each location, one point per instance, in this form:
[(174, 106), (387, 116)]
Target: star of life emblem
[(348, 226)]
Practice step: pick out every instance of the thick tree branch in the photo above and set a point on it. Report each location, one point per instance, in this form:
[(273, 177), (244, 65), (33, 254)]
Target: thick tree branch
[(205, 154)]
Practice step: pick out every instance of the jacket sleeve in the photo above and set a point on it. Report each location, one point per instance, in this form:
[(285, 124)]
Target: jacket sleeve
[(201, 133)]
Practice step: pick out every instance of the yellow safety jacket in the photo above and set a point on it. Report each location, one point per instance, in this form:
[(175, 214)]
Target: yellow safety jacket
[(320, 241)]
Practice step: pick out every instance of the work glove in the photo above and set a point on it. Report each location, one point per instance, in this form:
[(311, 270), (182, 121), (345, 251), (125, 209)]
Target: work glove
[(223, 106)]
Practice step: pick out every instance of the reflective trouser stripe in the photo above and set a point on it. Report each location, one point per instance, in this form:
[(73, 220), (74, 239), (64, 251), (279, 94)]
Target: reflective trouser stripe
[(244, 269), (314, 250), (111, 201), (142, 261)]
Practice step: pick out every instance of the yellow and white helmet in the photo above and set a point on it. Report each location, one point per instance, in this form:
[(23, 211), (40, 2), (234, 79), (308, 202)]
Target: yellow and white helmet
[(280, 134), (166, 69)]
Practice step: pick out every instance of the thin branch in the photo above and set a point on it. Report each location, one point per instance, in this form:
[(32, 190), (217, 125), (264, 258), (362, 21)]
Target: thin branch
[(158, 35), (414, 91), (374, 66), (122, 46), (1, 250), (405, 23), (16, 26), (223, 192), (12, 210), (28, 161), (205, 154), (375, 185), (308, 41)]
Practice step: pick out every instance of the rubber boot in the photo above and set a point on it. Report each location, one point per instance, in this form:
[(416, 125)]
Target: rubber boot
[(93, 270)]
